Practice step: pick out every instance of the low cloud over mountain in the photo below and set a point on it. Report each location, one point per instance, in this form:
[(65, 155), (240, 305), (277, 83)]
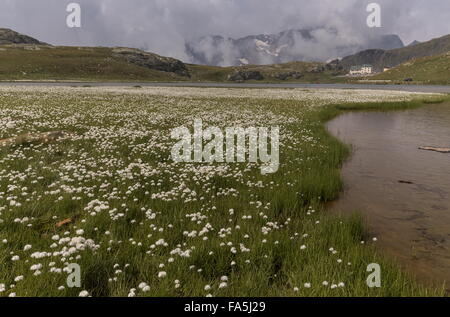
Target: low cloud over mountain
[(165, 26), (319, 44)]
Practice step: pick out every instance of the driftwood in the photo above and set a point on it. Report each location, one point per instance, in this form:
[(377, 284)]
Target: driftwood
[(435, 149), (38, 137)]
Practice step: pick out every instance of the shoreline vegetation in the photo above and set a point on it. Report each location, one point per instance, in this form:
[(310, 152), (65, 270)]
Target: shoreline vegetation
[(141, 225)]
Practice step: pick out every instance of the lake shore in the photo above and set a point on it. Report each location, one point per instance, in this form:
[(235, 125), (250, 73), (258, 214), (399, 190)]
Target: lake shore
[(110, 199)]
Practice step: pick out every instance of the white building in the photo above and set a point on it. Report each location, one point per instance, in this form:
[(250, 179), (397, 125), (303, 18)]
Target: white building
[(361, 70)]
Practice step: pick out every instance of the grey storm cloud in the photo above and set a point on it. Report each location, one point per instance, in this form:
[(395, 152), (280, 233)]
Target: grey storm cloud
[(163, 26)]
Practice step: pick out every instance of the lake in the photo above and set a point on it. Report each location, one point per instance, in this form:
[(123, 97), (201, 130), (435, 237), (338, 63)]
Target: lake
[(402, 192)]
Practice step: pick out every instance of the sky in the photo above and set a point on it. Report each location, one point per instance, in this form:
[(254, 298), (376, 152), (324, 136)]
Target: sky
[(163, 26)]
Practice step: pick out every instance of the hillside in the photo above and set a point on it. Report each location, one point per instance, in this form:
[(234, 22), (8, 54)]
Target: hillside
[(426, 70), (381, 58), (37, 62), (8, 36), (42, 62)]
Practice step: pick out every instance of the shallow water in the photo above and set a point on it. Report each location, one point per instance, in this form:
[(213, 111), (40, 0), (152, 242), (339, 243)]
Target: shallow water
[(403, 192), (411, 88)]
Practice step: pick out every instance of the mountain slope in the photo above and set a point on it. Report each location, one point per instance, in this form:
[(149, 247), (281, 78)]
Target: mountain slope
[(8, 36), (40, 62), (427, 70), (318, 45), (37, 62), (381, 58)]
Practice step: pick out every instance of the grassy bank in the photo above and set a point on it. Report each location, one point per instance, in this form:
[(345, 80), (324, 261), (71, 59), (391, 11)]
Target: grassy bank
[(432, 70), (136, 219)]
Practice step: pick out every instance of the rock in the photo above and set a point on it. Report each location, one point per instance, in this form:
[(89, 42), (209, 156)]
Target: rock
[(39, 137), (435, 149), (316, 69), (288, 75), (151, 61), (241, 75)]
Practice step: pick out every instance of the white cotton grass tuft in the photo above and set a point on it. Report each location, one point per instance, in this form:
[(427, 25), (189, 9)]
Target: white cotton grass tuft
[(162, 274), (92, 173), (144, 287), (83, 294), (18, 278)]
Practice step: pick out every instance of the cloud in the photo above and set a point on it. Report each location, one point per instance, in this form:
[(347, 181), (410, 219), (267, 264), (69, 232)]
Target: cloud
[(163, 26)]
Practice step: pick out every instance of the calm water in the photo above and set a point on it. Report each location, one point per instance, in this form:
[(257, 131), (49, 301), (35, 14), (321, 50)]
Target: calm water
[(414, 88), (411, 221)]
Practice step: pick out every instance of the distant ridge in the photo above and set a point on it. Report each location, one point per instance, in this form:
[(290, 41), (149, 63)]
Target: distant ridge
[(8, 36), (390, 58), (426, 70), (414, 43)]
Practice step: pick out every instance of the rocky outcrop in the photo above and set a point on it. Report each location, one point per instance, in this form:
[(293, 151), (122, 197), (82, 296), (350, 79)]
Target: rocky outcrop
[(288, 75), (242, 75), (8, 36), (151, 61), (316, 69)]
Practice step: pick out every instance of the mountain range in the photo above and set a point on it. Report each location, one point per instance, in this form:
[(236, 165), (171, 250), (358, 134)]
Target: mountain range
[(25, 58), (318, 45)]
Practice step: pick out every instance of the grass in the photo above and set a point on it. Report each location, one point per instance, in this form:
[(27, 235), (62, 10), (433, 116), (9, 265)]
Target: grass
[(99, 64), (122, 160), (73, 63), (426, 70)]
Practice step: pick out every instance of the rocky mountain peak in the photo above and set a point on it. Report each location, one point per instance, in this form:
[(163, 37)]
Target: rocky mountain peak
[(318, 44)]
